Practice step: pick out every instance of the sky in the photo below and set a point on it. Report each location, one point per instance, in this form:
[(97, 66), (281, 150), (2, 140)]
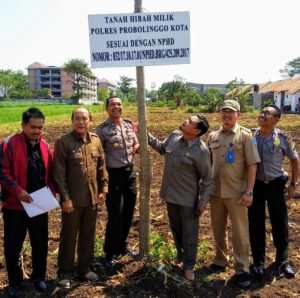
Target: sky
[(244, 39)]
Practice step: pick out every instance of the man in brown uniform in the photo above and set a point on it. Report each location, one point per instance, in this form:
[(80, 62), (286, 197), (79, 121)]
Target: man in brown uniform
[(234, 158), (120, 144), (82, 182)]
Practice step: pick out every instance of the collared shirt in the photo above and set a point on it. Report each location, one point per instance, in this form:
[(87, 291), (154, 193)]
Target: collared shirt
[(272, 151), (35, 167), (187, 172), (117, 142), (229, 180), (79, 169)]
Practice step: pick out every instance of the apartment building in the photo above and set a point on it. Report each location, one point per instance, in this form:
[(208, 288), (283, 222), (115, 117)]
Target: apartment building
[(58, 81)]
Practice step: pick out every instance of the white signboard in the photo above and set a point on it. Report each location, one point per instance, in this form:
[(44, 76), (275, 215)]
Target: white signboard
[(139, 39)]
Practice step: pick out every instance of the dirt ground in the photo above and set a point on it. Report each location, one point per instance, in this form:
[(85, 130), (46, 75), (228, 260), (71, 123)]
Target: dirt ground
[(141, 278)]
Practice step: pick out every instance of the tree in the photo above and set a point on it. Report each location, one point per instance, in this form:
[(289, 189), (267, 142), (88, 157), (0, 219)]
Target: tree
[(80, 73), (102, 93), (124, 85), (291, 68), (14, 84), (43, 93), (212, 97), (6, 81), (175, 90)]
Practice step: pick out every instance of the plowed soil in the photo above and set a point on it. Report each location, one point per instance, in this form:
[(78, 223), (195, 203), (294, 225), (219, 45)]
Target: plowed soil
[(141, 278)]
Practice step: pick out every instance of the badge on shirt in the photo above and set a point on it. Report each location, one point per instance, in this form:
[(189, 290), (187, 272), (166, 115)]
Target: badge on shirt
[(116, 145), (276, 142), (230, 157), (253, 139)]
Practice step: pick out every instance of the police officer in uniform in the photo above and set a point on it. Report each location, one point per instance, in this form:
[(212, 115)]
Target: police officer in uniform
[(120, 143), (273, 147)]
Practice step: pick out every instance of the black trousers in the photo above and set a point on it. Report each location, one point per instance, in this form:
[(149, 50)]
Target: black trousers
[(120, 204), (185, 226), (16, 224), (273, 194)]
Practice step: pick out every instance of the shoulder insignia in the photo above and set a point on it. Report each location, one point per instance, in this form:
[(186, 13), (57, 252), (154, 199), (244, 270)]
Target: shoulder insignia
[(245, 129), (128, 120), (94, 134), (103, 124)]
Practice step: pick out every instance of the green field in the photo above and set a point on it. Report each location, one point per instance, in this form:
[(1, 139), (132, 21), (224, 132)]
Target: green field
[(11, 113)]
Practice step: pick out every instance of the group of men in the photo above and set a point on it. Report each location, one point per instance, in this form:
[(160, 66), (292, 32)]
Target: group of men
[(237, 171)]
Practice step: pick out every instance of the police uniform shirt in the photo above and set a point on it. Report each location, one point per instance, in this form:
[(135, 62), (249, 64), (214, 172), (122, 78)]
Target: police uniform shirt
[(187, 171), (272, 151), (229, 180), (117, 143)]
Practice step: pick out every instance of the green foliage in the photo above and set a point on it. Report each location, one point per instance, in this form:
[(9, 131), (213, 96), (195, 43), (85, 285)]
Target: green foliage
[(80, 72), (160, 249), (152, 93), (162, 103), (212, 98), (43, 93), (175, 91), (98, 247), (250, 109), (125, 85), (268, 102), (291, 68), (239, 92), (197, 109), (103, 94), (12, 112), (205, 251), (14, 84)]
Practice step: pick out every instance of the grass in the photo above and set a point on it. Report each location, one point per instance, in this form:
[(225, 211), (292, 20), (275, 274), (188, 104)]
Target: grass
[(13, 113)]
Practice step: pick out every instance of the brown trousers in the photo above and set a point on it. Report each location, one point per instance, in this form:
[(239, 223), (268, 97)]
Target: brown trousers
[(81, 223), (219, 210)]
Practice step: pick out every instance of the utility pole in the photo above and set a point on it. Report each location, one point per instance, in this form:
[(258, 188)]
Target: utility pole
[(145, 171)]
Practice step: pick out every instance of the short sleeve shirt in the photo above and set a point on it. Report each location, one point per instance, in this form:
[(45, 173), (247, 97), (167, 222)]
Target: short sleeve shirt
[(117, 142), (229, 180), (272, 151)]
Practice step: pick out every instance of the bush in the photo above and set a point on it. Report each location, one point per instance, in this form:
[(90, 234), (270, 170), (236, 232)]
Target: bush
[(250, 109)]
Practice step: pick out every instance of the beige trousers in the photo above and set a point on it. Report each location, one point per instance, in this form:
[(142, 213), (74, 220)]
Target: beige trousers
[(220, 208)]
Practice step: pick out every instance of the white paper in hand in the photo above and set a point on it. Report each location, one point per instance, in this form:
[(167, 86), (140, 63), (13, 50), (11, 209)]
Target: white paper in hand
[(43, 201)]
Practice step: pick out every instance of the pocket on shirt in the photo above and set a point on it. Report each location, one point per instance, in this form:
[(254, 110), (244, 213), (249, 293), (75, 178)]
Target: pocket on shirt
[(95, 156), (238, 151), (77, 159)]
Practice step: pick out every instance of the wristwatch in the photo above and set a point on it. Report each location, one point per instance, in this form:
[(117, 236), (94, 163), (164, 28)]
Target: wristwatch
[(295, 184), (249, 193)]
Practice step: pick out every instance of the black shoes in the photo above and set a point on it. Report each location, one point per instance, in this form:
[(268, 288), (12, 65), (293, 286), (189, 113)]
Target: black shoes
[(13, 291), (40, 286), (243, 280), (214, 268), (258, 271), (109, 262), (287, 270)]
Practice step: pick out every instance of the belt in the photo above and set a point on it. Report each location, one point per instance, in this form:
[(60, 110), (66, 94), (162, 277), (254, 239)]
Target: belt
[(271, 181), (125, 169)]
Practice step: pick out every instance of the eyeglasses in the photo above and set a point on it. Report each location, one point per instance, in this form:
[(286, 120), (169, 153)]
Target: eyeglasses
[(267, 113)]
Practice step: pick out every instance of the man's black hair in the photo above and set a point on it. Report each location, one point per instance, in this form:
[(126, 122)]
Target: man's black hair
[(32, 113), (108, 99), (202, 125), (277, 111)]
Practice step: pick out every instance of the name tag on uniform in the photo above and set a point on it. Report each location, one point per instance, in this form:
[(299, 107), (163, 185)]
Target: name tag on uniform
[(230, 157)]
